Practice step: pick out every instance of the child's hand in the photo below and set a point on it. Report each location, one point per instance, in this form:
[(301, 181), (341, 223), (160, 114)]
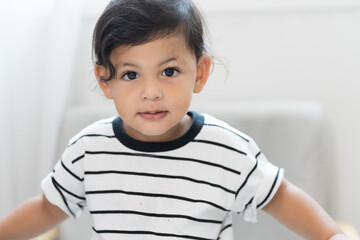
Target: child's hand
[(340, 236)]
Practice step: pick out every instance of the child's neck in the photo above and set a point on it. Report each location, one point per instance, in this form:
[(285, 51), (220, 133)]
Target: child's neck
[(175, 132)]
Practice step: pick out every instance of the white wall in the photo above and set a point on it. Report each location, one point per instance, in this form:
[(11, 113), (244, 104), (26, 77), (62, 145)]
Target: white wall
[(21, 37)]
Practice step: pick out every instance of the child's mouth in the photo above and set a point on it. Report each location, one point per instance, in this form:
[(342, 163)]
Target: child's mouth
[(153, 115)]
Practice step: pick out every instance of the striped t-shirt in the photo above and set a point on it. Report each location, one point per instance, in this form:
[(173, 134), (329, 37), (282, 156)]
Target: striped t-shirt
[(183, 189)]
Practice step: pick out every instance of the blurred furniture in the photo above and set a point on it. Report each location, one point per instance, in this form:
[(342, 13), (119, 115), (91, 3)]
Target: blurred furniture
[(349, 230), (292, 134), (53, 234)]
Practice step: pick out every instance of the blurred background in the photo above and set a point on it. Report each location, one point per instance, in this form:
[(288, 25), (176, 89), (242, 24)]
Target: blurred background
[(274, 50)]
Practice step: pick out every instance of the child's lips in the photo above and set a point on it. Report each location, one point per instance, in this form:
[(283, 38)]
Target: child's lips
[(153, 115)]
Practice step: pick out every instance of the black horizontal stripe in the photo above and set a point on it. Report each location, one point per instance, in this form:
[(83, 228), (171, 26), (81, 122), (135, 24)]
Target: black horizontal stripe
[(156, 215), (150, 233), (237, 134), (271, 189), (65, 190), (223, 229), (106, 122), (248, 176), (220, 145), (77, 159), (70, 172), (156, 195), (159, 176), (247, 205), (166, 158), (82, 206), (90, 135), (57, 187)]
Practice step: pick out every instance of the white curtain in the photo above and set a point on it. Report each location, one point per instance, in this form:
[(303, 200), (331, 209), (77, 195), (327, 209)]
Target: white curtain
[(37, 49), (6, 195), (64, 36)]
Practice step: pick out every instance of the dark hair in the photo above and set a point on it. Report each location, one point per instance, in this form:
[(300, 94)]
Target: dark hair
[(135, 22)]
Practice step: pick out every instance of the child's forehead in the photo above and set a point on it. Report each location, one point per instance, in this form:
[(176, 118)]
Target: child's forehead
[(178, 41), (170, 46)]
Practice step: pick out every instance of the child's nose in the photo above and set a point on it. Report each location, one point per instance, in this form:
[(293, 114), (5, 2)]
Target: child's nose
[(152, 90)]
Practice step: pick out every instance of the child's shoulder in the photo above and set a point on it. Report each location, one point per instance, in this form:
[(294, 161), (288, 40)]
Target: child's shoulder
[(219, 131), (101, 127), (222, 128)]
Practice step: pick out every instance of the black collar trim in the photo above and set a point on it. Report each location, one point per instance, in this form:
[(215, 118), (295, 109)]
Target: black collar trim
[(196, 126)]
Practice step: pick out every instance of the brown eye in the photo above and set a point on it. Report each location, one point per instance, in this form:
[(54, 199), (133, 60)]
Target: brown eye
[(130, 75), (170, 72)]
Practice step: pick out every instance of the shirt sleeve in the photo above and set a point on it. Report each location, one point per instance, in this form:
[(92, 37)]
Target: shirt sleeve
[(259, 181), (64, 187)]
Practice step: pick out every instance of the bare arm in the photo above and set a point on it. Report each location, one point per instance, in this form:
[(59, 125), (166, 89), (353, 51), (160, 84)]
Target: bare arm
[(30, 219), (300, 213)]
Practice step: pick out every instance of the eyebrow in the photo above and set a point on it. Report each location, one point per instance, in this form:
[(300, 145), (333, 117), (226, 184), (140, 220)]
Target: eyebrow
[(128, 64), (124, 64), (168, 60)]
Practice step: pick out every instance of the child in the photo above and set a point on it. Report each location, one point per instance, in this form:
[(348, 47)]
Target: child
[(158, 171)]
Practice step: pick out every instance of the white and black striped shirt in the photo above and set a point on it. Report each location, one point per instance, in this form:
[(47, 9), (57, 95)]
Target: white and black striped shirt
[(182, 189)]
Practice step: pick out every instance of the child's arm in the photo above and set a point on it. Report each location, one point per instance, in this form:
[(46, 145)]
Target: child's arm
[(300, 213), (30, 219)]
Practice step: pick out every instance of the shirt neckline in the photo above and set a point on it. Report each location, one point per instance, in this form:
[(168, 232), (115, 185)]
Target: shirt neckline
[(195, 127)]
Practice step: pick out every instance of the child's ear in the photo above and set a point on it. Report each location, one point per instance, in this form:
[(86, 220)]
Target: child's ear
[(203, 71), (100, 73)]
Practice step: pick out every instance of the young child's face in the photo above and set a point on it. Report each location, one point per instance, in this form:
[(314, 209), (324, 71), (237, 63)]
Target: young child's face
[(153, 87)]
